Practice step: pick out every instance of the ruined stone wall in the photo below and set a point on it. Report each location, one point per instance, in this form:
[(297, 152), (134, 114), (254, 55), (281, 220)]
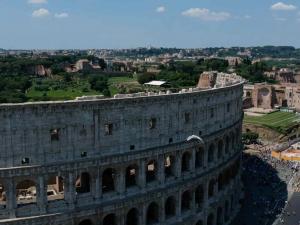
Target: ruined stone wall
[(76, 138)]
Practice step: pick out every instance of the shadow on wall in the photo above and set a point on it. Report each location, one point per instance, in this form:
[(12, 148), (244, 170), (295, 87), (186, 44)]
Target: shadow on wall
[(265, 193)]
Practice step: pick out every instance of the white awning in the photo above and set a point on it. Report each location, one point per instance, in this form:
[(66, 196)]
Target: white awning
[(156, 83)]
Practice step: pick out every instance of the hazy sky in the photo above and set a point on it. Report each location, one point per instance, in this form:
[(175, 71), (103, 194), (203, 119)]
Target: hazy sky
[(136, 23)]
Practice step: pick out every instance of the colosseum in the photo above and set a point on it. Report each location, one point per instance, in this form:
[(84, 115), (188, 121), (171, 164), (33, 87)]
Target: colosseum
[(139, 159)]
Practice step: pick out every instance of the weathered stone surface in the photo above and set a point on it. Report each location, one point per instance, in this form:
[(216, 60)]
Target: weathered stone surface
[(99, 140)]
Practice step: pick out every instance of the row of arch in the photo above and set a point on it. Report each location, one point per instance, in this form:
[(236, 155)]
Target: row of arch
[(153, 214), (190, 160)]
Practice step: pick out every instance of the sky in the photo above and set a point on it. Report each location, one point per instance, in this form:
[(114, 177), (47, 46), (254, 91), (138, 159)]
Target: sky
[(83, 24)]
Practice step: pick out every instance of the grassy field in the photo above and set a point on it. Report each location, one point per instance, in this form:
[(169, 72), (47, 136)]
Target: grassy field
[(279, 121), (117, 84), (67, 92)]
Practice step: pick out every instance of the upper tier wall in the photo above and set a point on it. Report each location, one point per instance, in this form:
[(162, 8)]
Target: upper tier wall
[(111, 126)]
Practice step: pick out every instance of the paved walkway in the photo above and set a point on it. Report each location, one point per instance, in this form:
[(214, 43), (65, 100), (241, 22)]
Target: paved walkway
[(291, 214)]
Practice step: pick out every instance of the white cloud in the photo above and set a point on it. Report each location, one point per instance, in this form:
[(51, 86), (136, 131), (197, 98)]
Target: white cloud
[(41, 13), (61, 15), (161, 9), (37, 1), (206, 14), (247, 17), (280, 6)]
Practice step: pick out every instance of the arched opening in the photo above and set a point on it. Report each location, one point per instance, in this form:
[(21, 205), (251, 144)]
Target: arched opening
[(151, 171), (83, 183), (86, 222), (210, 219), (227, 211), (231, 203), (211, 154), (170, 207), (219, 216), (186, 162), (170, 166), (227, 141), (26, 192), (186, 201), (108, 180), (2, 196), (199, 222), (220, 149), (232, 140), (132, 217), (109, 219), (131, 176), (220, 182), (211, 188), (152, 213), (199, 158), (55, 188), (199, 197)]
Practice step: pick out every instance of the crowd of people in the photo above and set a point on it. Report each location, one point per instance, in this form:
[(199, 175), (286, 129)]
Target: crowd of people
[(267, 182)]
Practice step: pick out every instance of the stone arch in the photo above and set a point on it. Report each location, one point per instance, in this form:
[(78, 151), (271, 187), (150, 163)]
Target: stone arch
[(220, 182), (109, 219), (55, 188), (227, 211), (220, 149), (86, 222), (169, 166), (199, 222), (219, 216), (83, 183), (131, 176), (186, 198), (199, 196), (170, 207), (108, 180), (227, 143), (132, 217), (211, 188), (232, 142), (199, 158), (2, 195), (186, 162), (26, 192), (210, 219), (211, 153), (152, 213), (151, 171)]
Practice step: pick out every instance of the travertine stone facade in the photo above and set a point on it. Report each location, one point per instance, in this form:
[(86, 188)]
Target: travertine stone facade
[(125, 161)]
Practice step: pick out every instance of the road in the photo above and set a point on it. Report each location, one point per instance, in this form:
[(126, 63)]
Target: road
[(291, 214)]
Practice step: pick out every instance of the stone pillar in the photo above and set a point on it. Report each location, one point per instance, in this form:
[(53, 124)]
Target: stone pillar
[(121, 180), (121, 218), (41, 190), (205, 156), (178, 208), (162, 215), (193, 160), (98, 188), (161, 169), (178, 165), (143, 215), (193, 201), (142, 174), (205, 190), (11, 200), (70, 189)]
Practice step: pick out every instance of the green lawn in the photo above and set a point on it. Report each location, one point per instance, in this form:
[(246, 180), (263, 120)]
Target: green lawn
[(68, 92), (279, 121), (115, 84)]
